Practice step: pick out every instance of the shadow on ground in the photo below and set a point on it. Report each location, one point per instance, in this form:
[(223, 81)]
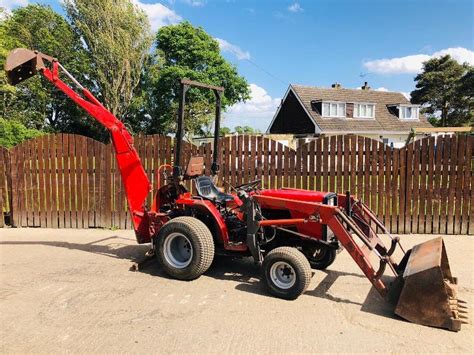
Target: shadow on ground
[(241, 270)]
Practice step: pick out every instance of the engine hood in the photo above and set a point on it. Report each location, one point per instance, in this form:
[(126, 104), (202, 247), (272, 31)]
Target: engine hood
[(297, 194)]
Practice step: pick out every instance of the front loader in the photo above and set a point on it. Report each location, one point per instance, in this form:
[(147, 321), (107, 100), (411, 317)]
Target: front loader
[(286, 231)]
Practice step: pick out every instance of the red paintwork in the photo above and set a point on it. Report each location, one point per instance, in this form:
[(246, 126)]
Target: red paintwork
[(283, 222), (295, 194), (187, 200), (357, 254), (324, 214), (312, 229), (308, 213), (135, 181)]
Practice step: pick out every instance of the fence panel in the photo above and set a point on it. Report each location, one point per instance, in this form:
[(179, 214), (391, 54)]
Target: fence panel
[(70, 181), (5, 186), (467, 214)]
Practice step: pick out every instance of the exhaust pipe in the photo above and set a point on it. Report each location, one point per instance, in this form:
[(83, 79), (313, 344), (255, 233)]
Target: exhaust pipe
[(21, 64)]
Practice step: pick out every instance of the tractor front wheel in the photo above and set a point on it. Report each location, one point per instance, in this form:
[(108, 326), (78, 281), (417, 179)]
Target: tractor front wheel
[(287, 272), (185, 248)]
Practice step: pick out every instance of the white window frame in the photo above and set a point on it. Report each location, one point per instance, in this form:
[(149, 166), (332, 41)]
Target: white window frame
[(401, 110), (337, 103), (358, 110)]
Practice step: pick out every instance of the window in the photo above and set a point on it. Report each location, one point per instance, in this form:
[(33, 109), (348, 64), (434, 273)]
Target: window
[(334, 109), (409, 112), (364, 110)]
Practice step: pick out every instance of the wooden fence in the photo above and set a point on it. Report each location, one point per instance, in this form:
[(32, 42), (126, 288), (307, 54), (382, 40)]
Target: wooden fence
[(70, 181)]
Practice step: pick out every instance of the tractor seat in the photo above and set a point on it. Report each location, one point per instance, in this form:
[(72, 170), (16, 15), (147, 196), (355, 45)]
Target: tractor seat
[(206, 189)]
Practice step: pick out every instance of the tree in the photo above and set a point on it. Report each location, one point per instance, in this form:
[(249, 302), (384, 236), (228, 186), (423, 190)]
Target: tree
[(445, 90), (185, 51), (245, 130), (35, 103), (13, 132), (223, 131), (118, 39)]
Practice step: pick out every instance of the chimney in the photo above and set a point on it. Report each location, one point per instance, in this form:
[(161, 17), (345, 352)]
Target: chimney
[(366, 86), (336, 86)]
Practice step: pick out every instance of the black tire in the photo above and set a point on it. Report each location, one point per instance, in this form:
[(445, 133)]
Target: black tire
[(189, 252), (276, 262), (321, 257)]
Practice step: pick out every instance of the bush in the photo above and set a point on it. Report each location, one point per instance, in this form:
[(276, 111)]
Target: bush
[(14, 132)]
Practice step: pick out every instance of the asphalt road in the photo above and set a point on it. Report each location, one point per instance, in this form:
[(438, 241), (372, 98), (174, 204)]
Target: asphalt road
[(72, 291)]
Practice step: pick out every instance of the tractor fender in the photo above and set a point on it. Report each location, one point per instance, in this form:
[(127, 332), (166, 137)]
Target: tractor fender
[(208, 208)]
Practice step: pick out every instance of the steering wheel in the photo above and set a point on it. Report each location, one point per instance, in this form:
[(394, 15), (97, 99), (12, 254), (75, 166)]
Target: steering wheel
[(249, 185)]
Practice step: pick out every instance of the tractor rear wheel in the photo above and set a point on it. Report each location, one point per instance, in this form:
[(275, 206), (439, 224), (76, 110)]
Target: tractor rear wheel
[(185, 248), (287, 272), (320, 257)]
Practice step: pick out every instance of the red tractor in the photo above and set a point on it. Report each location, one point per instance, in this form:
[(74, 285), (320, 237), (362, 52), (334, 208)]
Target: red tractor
[(286, 231)]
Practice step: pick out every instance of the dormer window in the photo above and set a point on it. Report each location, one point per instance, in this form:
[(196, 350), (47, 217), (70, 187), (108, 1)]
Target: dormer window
[(409, 112), (405, 111), (333, 109), (364, 110)]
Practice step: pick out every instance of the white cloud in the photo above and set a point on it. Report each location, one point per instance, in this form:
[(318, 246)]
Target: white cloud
[(408, 64), (232, 48), (413, 64), (195, 3), (10, 4), (158, 14), (256, 112), (381, 89), (295, 8), (461, 54)]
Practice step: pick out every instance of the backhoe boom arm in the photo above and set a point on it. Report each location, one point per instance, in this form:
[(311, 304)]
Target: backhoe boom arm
[(22, 63)]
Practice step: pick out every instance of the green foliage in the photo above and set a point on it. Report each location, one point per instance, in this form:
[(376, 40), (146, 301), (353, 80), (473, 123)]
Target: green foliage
[(223, 131), (13, 132), (246, 130), (239, 130), (185, 51), (106, 46), (35, 102), (445, 88), (117, 37)]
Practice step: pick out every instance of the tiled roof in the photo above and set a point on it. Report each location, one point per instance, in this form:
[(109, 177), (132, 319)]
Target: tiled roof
[(384, 119)]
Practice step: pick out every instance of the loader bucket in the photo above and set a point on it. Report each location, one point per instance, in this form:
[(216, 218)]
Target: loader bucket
[(22, 64), (429, 292)]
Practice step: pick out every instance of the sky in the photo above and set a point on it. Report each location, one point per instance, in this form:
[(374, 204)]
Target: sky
[(320, 42)]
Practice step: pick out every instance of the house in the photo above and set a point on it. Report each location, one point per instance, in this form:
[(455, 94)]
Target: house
[(312, 111)]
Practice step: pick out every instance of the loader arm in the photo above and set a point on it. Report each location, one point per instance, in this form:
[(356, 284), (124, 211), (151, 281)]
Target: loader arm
[(22, 63), (423, 289)]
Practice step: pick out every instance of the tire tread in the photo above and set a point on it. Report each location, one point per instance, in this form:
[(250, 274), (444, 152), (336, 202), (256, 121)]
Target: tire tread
[(203, 237), (302, 263)]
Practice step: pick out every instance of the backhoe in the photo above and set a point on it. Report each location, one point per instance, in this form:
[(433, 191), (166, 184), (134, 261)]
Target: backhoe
[(286, 231)]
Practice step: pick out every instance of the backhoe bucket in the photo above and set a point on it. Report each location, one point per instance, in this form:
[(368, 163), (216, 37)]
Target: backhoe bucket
[(22, 64), (429, 292)]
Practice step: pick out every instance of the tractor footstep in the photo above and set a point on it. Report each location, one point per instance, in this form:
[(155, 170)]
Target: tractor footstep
[(139, 265)]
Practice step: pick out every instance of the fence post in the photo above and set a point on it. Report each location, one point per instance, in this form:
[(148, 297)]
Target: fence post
[(5, 185), (10, 186)]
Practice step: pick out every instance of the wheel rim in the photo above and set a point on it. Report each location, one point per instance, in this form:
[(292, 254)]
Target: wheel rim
[(178, 250), (318, 254), (282, 275)]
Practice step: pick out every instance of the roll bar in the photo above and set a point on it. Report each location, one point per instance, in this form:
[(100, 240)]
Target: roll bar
[(185, 84)]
